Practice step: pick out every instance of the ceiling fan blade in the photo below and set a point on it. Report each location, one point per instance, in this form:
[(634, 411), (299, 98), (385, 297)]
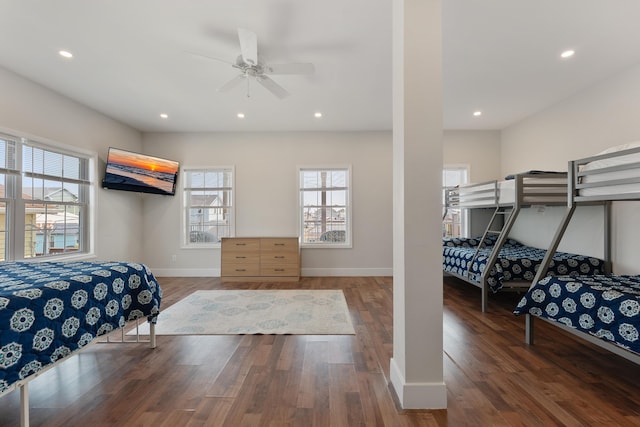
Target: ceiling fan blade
[(210, 57), (272, 86), (248, 46), (232, 83), (291, 68)]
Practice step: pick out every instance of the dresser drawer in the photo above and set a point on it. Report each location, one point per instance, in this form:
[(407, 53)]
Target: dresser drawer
[(240, 245), (282, 245), (279, 258), (240, 258), (280, 270), (240, 270)]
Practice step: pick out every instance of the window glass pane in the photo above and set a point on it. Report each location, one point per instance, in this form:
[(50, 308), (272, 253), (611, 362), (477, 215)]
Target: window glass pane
[(51, 230), (52, 163), (71, 167), (3, 153), (207, 225), (8, 152)]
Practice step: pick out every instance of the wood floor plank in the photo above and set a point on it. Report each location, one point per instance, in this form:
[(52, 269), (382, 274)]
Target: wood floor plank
[(492, 376)]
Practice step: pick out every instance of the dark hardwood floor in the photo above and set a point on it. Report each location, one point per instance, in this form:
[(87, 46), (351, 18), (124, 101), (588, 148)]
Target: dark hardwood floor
[(492, 377)]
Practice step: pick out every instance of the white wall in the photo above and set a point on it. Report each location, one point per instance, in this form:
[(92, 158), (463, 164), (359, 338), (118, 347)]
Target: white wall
[(266, 196), (479, 149), (585, 124), (28, 109)]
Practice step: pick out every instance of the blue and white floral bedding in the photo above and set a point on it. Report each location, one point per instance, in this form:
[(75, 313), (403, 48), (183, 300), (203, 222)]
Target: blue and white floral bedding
[(50, 309), (607, 307), (515, 261)]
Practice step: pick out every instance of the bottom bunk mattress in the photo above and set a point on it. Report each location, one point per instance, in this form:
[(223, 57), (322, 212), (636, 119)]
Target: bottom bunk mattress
[(516, 262), (50, 309), (604, 306)]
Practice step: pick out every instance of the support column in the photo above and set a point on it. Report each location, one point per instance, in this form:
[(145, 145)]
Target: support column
[(417, 362)]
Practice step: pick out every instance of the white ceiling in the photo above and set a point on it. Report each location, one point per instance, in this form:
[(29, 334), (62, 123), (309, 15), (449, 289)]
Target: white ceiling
[(133, 59)]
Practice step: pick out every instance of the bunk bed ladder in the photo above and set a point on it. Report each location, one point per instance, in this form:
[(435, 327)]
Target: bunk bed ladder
[(497, 213), (509, 214)]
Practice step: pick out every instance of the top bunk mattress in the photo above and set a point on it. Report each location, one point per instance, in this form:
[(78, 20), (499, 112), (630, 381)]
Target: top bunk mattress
[(537, 189), (613, 173)]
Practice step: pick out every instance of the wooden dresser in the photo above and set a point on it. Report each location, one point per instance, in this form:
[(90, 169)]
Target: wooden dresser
[(274, 259)]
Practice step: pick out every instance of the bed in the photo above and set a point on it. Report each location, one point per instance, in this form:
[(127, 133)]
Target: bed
[(50, 310), (506, 198), (602, 308), (515, 266)]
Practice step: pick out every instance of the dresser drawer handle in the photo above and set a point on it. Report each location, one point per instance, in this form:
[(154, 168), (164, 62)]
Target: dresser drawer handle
[(240, 257), (240, 269), (278, 269), (279, 256), (278, 244), (241, 244)]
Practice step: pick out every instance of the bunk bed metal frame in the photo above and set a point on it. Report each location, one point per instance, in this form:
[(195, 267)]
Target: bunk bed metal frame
[(578, 181), (529, 190)]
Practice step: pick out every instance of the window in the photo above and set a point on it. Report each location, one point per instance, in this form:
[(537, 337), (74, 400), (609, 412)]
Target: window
[(325, 206), (208, 206), (44, 202), (454, 222)]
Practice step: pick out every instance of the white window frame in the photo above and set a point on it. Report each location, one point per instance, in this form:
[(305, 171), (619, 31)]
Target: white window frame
[(185, 242), (348, 202), (464, 217), (16, 205)]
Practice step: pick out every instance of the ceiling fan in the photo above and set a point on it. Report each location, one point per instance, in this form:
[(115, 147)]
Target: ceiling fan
[(252, 67)]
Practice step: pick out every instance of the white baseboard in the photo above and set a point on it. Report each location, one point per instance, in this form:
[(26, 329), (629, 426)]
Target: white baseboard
[(417, 395), (186, 272), (309, 272), (337, 272)]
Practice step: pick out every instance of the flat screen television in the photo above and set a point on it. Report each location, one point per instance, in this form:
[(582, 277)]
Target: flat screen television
[(129, 171)]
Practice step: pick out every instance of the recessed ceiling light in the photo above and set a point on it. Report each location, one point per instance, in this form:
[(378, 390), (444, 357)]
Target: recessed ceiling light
[(65, 54), (567, 54), (164, 116), (477, 113), (241, 115), (318, 115)]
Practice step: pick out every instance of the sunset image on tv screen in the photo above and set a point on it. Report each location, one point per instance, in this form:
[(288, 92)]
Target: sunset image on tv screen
[(125, 168)]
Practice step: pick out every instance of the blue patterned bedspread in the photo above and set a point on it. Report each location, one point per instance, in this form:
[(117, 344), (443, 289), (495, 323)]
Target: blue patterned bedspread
[(50, 309), (607, 307), (515, 261)]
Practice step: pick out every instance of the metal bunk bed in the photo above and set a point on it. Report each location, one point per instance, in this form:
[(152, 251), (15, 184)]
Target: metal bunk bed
[(506, 198), (613, 175)]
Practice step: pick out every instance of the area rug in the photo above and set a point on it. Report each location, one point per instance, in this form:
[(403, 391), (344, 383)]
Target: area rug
[(232, 312)]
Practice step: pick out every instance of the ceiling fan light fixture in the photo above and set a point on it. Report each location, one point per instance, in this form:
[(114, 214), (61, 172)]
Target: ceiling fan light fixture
[(317, 115), (477, 113), (65, 54), (240, 115), (164, 116)]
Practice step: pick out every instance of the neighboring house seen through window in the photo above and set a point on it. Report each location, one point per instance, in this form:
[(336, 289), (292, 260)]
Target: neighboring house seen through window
[(325, 206), (208, 206)]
